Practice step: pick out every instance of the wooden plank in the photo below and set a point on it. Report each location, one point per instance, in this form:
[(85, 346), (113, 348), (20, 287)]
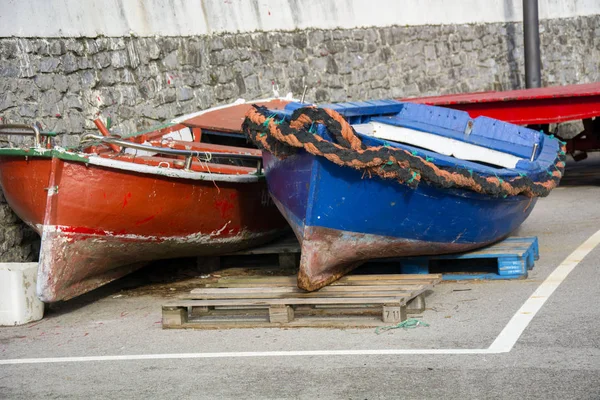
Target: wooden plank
[(347, 278), (174, 316), (416, 305), (352, 280), (295, 289), (281, 314), (267, 302), (299, 295), (393, 313), (354, 284), (308, 322), (299, 311), (326, 310), (287, 301)]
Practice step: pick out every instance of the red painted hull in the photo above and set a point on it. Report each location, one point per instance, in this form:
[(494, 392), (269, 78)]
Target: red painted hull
[(538, 106), (547, 105), (96, 222)]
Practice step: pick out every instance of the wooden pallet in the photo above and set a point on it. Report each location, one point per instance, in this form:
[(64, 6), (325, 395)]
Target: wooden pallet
[(251, 302), (510, 258)]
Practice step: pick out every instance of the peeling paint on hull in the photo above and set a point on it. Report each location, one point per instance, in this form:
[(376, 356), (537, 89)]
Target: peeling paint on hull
[(72, 263), (329, 254)]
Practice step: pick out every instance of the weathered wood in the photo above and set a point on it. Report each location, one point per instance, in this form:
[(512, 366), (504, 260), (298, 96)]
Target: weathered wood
[(200, 310), (174, 316), (321, 322), (289, 301), (348, 278), (299, 295), (416, 305), (281, 314), (293, 292), (354, 285), (354, 303), (393, 313), (294, 289), (300, 311), (423, 279)]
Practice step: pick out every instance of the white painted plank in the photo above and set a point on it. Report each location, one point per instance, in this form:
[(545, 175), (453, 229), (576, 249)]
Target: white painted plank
[(441, 144)]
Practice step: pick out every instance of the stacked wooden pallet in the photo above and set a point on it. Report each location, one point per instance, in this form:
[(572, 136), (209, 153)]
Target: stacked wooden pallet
[(352, 301)]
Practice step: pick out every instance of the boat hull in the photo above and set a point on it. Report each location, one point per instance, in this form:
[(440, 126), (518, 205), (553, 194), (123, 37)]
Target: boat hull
[(95, 222), (343, 218)]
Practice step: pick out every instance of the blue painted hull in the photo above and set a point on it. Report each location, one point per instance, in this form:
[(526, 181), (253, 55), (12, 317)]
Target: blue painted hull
[(343, 219)]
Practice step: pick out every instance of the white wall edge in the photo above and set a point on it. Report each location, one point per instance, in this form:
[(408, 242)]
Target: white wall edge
[(146, 18)]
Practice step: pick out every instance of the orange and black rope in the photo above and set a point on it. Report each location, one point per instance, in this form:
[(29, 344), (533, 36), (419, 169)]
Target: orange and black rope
[(283, 138)]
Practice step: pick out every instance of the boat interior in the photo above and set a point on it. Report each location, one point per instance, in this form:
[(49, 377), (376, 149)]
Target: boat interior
[(450, 137), (210, 141)]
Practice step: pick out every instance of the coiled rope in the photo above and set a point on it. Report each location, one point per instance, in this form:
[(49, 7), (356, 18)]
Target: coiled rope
[(283, 138)]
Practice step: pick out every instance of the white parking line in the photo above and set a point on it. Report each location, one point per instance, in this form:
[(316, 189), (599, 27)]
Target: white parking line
[(515, 327), (502, 344)]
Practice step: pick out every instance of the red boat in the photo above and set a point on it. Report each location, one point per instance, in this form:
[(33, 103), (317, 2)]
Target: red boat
[(537, 106), (103, 210)]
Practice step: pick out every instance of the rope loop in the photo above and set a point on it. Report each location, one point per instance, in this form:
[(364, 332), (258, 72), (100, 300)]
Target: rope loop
[(283, 138)]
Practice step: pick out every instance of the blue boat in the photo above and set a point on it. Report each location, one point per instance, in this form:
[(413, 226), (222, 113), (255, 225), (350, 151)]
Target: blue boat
[(344, 215)]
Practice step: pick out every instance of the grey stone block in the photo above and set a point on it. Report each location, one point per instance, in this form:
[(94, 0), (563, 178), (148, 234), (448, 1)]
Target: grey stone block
[(49, 64), (315, 37), (185, 93), (119, 59), (69, 63), (75, 46), (166, 95), (171, 62), (61, 83), (216, 43), (102, 60), (318, 65), (28, 110), (9, 69), (115, 43), (56, 47), (225, 92), (108, 77), (151, 49)]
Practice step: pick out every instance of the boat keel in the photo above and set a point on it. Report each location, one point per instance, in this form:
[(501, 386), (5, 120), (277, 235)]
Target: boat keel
[(329, 254)]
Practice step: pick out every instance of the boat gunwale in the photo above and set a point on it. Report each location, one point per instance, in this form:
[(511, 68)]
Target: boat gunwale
[(99, 161)]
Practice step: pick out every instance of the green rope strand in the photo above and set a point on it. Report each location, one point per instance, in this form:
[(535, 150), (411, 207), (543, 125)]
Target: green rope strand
[(410, 323)]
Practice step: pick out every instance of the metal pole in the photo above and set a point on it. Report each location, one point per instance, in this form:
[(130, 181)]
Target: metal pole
[(531, 35)]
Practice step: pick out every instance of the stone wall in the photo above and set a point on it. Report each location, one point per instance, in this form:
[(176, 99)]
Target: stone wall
[(65, 83), (18, 242)]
